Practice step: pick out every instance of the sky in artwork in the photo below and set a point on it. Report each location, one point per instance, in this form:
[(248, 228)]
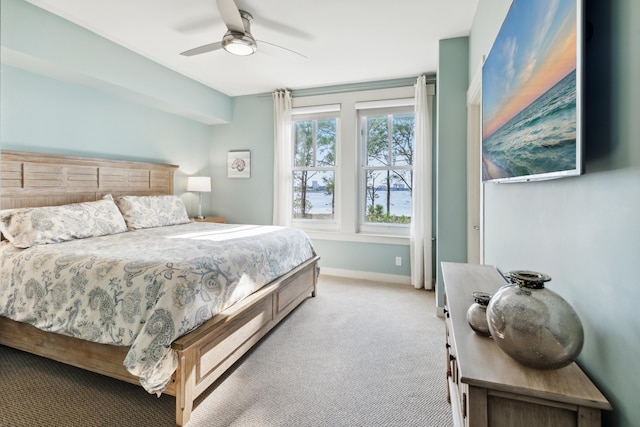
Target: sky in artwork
[(534, 50)]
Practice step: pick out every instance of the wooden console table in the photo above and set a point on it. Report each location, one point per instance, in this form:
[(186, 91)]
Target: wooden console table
[(487, 388)]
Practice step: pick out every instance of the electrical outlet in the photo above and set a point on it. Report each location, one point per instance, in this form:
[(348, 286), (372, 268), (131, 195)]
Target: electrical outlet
[(398, 261)]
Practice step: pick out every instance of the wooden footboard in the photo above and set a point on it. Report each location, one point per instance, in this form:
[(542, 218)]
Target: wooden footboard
[(210, 350), (204, 354)]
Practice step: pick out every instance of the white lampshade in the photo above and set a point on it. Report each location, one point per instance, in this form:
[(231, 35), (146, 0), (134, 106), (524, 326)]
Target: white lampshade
[(199, 183)]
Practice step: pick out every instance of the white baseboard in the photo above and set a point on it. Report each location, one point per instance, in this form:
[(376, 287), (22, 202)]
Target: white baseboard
[(440, 312), (366, 275)]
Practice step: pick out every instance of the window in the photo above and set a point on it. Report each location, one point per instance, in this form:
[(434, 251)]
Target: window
[(387, 140), (315, 139), (328, 164)]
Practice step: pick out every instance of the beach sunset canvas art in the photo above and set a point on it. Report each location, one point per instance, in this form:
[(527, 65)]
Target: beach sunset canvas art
[(530, 94)]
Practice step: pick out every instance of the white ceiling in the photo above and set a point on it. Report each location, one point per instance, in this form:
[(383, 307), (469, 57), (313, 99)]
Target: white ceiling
[(345, 41)]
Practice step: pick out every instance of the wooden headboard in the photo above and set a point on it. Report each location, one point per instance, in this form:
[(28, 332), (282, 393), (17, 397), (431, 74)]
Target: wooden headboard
[(34, 179)]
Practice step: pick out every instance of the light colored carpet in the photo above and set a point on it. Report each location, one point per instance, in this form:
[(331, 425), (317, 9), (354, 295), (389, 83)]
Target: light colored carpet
[(359, 354)]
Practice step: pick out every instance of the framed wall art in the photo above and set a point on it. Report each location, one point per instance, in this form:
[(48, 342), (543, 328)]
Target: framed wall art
[(532, 94), (239, 164)]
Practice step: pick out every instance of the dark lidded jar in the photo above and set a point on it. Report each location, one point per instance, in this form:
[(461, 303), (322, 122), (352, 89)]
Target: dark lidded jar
[(477, 313)]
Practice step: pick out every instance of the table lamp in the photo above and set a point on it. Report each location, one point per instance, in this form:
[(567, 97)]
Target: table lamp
[(200, 184)]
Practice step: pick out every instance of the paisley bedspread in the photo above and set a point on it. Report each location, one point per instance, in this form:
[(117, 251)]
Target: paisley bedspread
[(144, 288)]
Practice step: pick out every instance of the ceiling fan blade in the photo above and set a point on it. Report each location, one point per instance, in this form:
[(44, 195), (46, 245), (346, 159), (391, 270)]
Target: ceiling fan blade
[(284, 48), (202, 49), (281, 28), (231, 15)]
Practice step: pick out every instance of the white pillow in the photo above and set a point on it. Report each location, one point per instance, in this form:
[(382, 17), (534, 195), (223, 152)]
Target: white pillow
[(25, 227), (152, 211)]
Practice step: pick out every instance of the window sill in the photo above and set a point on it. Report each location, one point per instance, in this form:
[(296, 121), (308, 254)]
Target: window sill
[(358, 237)]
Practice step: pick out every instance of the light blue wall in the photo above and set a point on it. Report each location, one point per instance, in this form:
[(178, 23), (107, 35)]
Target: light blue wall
[(585, 231), (451, 156), (245, 201), (365, 257), (47, 115)]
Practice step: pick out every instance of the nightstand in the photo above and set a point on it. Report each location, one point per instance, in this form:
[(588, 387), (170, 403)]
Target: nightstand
[(218, 219)]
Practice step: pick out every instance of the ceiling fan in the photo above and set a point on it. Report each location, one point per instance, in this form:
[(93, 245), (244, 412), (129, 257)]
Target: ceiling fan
[(238, 39)]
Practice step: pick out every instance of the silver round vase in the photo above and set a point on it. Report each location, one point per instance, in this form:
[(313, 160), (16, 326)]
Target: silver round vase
[(533, 324)]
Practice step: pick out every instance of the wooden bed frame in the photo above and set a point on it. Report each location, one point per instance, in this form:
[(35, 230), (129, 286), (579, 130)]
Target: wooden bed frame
[(32, 180)]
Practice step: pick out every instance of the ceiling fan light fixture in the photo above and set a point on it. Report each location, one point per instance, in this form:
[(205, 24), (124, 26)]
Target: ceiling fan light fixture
[(238, 39), (239, 44)]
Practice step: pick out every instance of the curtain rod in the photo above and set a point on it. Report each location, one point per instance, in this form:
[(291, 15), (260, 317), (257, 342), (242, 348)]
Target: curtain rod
[(355, 87)]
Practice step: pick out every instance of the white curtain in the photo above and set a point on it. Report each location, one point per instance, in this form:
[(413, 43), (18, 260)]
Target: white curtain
[(420, 240), (282, 158)]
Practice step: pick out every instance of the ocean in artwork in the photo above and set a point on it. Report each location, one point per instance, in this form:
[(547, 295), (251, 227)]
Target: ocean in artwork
[(540, 139)]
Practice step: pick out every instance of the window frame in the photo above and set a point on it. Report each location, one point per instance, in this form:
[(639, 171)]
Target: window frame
[(346, 188), (316, 113), (364, 110)]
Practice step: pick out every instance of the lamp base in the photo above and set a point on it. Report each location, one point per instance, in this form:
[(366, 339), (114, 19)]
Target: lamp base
[(200, 217)]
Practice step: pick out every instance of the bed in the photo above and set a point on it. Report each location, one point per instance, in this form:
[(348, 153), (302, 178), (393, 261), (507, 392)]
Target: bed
[(205, 340)]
